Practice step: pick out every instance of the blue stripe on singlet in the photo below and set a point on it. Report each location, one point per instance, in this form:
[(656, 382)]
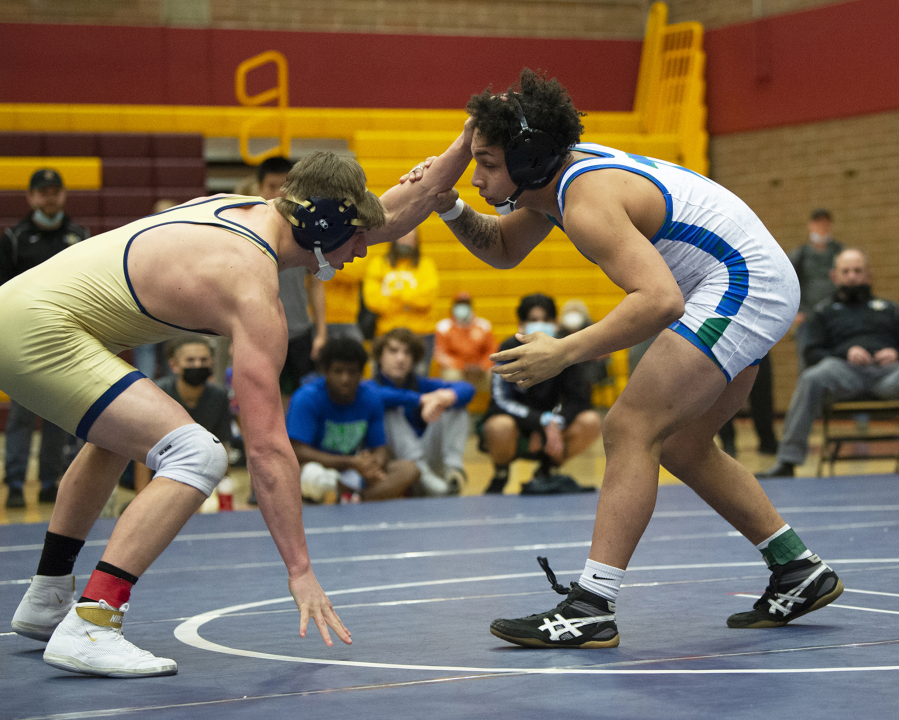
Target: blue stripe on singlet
[(103, 402)]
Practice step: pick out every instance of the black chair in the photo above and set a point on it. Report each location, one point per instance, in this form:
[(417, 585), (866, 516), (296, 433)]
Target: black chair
[(836, 436)]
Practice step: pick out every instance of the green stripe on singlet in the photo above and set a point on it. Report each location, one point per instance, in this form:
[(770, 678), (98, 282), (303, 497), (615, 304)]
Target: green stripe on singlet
[(712, 330)]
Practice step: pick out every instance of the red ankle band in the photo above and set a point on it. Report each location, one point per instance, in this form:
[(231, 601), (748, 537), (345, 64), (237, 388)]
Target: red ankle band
[(103, 586)]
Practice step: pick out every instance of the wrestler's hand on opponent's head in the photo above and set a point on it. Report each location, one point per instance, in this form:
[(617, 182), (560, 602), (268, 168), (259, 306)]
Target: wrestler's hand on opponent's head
[(313, 603), (417, 173), (536, 360)]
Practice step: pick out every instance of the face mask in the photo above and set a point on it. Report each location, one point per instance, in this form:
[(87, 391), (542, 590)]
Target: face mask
[(546, 327), (818, 239), (573, 321), (45, 220), (462, 312), (405, 251), (196, 376), (856, 294)]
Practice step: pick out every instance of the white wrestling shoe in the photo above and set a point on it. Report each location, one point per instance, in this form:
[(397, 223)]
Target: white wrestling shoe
[(318, 483), (90, 641), (47, 601)]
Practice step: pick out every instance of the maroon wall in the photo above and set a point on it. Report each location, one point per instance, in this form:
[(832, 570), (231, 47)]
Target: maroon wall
[(111, 64), (829, 62)]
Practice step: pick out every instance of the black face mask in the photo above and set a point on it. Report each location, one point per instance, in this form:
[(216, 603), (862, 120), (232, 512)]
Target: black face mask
[(855, 294), (196, 376), (405, 251)]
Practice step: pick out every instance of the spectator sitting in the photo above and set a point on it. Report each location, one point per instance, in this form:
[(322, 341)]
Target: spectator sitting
[(47, 230), (464, 343), (400, 287), (426, 419), (851, 352), (549, 422), (336, 426), (190, 359)]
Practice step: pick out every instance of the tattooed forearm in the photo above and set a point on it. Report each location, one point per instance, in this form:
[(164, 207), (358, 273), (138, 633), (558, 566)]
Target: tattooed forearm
[(479, 231)]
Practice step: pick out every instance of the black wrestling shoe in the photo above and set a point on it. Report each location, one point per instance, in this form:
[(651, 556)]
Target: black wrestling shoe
[(15, 498), (796, 588), (779, 469), (582, 620)]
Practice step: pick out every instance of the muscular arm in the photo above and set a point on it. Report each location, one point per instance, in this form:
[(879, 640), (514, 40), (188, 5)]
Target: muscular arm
[(605, 232), (409, 204), (258, 331), (501, 242)]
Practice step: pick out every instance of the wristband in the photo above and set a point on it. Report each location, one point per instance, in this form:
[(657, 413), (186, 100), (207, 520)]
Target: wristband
[(454, 212)]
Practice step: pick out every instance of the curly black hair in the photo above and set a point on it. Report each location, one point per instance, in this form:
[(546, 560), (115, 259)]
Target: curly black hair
[(545, 103)]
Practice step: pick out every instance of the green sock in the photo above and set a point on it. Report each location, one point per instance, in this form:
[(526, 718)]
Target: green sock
[(782, 547)]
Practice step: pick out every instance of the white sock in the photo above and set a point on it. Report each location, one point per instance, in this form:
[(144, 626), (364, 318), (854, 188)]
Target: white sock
[(602, 580)]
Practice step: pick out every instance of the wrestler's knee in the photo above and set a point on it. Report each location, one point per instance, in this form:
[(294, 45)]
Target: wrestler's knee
[(190, 455)]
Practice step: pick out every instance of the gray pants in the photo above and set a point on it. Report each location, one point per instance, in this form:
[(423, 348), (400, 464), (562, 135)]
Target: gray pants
[(442, 445), (19, 427), (844, 382)]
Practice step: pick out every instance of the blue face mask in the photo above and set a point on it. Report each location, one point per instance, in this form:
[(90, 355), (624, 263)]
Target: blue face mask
[(45, 220), (546, 327)]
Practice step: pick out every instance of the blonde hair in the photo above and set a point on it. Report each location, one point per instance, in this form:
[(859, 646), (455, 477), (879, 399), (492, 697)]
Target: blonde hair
[(325, 174)]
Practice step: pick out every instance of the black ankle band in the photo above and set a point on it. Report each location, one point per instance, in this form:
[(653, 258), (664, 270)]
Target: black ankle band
[(116, 572), (59, 555)]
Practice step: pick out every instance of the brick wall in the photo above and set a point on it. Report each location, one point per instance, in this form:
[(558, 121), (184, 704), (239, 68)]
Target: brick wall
[(850, 166), (535, 18), (729, 12)]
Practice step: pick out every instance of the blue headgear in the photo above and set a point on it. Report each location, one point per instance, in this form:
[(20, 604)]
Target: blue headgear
[(533, 157), (321, 225)]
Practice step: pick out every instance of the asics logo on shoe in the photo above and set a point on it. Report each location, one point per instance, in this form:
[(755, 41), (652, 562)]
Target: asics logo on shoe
[(89, 637), (562, 626)]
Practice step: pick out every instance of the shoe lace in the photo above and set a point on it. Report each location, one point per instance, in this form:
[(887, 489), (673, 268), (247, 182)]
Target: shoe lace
[(551, 576)]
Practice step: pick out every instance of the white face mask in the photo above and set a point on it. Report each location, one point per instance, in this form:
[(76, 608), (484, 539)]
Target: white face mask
[(817, 239), (546, 327), (462, 312), (573, 321), (45, 220)]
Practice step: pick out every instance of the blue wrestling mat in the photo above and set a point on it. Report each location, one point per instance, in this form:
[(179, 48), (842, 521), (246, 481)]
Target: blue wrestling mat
[(418, 582)]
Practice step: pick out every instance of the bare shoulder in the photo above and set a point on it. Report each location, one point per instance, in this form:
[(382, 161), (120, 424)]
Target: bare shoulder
[(610, 201)]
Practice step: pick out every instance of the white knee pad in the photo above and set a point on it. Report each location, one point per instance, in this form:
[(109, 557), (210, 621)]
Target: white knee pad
[(190, 455)]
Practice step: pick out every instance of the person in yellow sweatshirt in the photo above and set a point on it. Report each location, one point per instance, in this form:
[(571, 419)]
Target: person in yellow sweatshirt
[(342, 309), (400, 287)]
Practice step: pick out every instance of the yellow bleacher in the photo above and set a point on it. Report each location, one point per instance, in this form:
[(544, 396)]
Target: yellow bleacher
[(667, 122)]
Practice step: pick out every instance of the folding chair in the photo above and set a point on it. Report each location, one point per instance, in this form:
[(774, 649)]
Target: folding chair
[(834, 438)]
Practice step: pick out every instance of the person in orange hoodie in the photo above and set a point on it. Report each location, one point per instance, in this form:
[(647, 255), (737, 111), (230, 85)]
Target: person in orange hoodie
[(463, 344), (400, 287)]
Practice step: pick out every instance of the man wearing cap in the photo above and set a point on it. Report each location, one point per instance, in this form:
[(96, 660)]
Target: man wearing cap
[(46, 231), (211, 266), (464, 343), (813, 261)]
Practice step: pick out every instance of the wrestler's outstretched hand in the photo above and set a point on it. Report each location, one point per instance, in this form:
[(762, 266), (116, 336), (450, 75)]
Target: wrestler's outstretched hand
[(313, 603), (537, 359)]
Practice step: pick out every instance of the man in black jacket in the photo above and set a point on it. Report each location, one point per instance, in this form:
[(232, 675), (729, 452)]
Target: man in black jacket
[(46, 231), (851, 352), (549, 422)]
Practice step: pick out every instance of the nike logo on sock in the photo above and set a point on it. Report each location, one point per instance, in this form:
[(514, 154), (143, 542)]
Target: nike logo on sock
[(89, 636), (58, 598), (217, 442), (597, 577)]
